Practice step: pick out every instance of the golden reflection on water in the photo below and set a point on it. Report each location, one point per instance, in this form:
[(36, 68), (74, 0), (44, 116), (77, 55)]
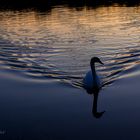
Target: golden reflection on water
[(71, 37), (66, 23)]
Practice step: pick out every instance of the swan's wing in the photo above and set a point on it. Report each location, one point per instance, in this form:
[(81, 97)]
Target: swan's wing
[(88, 80), (98, 81)]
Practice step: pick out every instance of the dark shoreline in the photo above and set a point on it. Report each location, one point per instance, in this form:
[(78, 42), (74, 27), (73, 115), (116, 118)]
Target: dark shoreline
[(48, 4)]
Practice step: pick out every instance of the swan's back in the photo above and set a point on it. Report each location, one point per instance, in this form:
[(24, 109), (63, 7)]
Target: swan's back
[(90, 82)]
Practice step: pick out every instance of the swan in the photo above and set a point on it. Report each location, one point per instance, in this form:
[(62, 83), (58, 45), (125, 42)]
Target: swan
[(91, 79)]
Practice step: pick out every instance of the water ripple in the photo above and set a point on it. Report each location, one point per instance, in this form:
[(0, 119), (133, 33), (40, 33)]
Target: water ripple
[(36, 65), (48, 46)]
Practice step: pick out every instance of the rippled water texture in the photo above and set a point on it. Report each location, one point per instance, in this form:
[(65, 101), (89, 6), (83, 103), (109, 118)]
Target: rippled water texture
[(59, 44)]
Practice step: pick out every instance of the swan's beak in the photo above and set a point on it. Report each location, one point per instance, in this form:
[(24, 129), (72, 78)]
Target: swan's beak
[(101, 62)]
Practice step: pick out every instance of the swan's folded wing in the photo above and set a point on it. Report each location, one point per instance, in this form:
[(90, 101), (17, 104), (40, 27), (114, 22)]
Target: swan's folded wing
[(88, 80)]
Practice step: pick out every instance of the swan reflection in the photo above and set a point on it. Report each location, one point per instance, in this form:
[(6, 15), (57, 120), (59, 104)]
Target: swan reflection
[(95, 93)]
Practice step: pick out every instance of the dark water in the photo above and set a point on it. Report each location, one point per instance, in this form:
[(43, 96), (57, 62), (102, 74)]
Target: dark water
[(43, 59)]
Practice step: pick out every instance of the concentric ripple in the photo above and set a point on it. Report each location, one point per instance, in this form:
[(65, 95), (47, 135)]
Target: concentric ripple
[(60, 44)]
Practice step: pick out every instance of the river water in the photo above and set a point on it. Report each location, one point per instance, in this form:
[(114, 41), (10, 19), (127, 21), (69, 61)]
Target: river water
[(43, 59)]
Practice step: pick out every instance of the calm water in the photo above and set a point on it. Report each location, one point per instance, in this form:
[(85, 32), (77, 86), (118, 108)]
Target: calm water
[(43, 59)]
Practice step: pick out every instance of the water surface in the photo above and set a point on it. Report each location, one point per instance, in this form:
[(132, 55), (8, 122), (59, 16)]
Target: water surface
[(44, 57)]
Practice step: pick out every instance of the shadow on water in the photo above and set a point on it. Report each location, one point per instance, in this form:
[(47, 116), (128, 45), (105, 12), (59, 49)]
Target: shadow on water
[(95, 92), (47, 5)]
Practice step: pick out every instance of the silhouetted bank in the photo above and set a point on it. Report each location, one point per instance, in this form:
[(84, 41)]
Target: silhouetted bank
[(71, 3)]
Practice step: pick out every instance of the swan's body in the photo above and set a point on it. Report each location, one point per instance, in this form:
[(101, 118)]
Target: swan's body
[(92, 80)]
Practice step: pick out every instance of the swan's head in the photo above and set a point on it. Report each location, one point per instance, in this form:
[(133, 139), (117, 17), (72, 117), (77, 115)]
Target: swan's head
[(95, 60)]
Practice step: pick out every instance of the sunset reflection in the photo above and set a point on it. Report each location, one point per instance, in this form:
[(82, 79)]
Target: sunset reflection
[(103, 22)]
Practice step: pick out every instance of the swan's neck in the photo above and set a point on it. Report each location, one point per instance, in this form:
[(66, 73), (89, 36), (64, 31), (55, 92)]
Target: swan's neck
[(93, 70), (94, 75)]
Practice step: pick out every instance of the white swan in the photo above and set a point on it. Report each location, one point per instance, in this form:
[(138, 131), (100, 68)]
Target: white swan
[(92, 80)]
